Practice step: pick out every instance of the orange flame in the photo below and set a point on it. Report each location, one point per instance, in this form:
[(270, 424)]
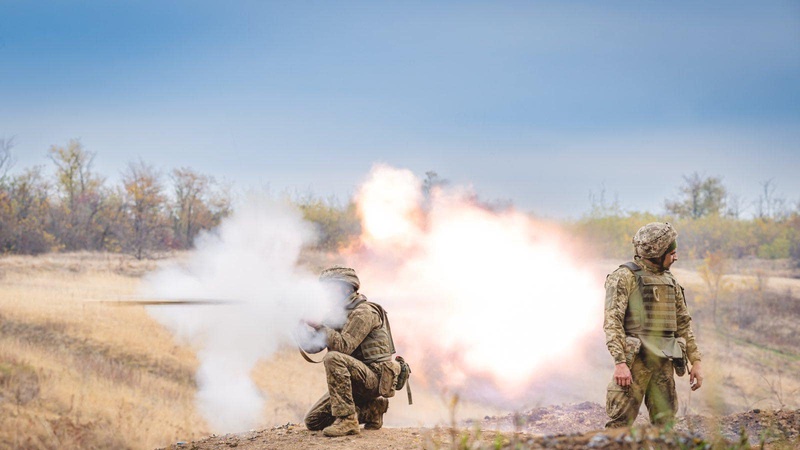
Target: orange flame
[(477, 296)]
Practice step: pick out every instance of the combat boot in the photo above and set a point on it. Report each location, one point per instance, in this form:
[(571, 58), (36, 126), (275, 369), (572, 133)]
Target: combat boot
[(343, 426), (374, 411)]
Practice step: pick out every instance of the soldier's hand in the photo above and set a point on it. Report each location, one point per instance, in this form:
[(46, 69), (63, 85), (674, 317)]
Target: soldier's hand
[(622, 375), (696, 376), (316, 326)]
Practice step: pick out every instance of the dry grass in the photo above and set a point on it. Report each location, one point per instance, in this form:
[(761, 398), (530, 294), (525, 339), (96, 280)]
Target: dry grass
[(78, 373), (751, 352)]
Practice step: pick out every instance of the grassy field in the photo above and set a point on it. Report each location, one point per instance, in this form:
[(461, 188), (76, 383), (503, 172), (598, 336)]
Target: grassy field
[(751, 353), (79, 373), (76, 372)]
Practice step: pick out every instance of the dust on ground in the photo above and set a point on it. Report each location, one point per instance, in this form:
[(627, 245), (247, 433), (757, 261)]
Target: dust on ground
[(576, 426)]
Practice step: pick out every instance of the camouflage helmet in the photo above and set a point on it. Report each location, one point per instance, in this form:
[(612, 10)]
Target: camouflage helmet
[(653, 239), (342, 274)]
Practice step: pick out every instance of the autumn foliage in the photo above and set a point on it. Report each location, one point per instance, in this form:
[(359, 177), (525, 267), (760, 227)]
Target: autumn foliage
[(69, 206), (708, 220), (77, 209)]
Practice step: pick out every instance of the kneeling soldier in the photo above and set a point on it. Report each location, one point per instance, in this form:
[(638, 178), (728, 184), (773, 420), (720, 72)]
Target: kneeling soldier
[(359, 366)]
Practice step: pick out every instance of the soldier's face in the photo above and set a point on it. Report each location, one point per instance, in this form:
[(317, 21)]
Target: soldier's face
[(338, 291), (670, 258)]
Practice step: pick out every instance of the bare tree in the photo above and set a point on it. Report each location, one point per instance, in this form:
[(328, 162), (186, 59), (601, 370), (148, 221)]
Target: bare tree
[(77, 216), (73, 171), (6, 158), (432, 180), (144, 207), (733, 206), (699, 196), (601, 207), (769, 204), (24, 208), (431, 183), (192, 209)]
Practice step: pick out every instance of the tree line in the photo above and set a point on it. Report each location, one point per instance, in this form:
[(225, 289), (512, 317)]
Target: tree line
[(77, 209), (147, 212), (709, 220)]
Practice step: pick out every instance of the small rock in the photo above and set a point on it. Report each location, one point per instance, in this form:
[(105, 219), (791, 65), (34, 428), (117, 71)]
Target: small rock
[(597, 441)]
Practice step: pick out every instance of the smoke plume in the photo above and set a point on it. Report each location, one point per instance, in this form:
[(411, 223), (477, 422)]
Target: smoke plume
[(491, 305), (250, 267)]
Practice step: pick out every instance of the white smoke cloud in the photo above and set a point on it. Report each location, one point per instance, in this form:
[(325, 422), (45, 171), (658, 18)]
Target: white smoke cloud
[(250, 265)]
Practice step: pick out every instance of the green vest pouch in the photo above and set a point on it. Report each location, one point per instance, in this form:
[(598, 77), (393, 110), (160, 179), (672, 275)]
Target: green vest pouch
[(633, 346), (388, 378)]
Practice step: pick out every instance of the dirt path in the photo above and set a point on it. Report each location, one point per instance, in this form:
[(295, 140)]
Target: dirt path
[(776, 284)]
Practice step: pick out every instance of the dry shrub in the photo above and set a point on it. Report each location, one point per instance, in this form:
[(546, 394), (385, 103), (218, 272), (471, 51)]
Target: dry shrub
[(32, 431), (71, 433), (19, 382), (764, 317)]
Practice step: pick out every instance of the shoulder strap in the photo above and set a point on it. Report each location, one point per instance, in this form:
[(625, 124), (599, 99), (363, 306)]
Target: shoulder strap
[(632, 266), (385, 320), (306, 357)]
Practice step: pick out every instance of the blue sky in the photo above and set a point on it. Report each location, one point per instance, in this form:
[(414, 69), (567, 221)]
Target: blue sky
[(539, 103)]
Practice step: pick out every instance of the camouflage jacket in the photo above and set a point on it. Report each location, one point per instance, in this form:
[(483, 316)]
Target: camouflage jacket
[(619, 285), (360, 322)]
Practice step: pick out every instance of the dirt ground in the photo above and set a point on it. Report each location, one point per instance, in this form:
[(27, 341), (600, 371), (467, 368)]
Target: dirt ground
[(292, 436), (560, 427)]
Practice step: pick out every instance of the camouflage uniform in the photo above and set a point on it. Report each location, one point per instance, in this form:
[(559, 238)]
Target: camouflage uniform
[(358, 359), (651, 372), (351, 383)]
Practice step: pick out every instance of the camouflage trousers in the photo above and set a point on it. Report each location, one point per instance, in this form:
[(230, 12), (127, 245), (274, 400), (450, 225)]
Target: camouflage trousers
[(653, 381), (351, 383)]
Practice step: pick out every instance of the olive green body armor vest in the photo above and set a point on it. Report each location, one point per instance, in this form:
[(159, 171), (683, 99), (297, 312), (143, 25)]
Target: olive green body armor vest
[(651, 307), (378, 346)]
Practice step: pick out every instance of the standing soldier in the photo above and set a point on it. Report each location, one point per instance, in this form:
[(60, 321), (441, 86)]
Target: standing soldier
[(648, 331), (359, 366)]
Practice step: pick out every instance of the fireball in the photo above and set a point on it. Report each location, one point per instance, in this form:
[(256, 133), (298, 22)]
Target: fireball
[(478, 296)]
